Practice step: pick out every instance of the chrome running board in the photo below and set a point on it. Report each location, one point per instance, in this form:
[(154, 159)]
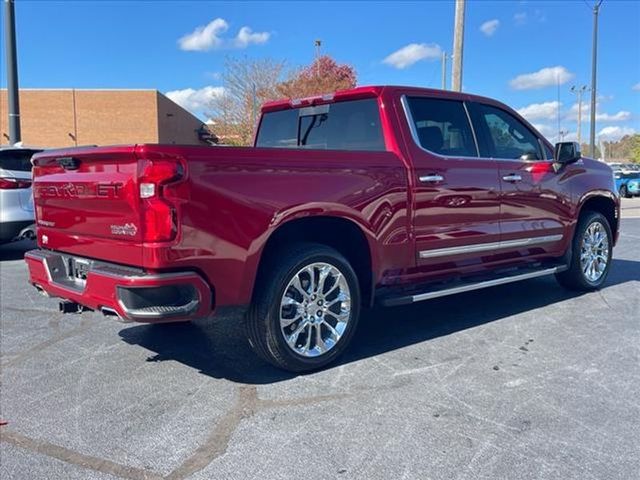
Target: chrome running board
[(468, 286)]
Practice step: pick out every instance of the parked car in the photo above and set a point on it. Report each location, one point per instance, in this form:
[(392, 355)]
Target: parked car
[(16, 201), (627, 183), (389, 195)]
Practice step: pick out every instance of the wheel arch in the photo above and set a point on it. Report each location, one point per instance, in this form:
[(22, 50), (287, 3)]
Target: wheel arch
[(343, 234), (607, 204)]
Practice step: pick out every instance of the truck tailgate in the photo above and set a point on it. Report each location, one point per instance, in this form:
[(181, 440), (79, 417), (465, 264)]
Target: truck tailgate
[(87, 202)]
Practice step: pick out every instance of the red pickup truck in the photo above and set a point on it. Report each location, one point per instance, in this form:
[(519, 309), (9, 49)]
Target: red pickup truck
[(390, 195)]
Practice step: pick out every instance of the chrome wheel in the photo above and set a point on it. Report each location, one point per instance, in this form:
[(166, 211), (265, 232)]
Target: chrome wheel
[(594, 251), (315, 309)]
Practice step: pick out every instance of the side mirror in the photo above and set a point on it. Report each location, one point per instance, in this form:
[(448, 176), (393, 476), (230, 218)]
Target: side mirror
[(567, 152)]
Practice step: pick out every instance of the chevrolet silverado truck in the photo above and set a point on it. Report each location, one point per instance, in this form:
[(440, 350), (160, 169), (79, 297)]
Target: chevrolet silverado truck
[(376, 195)]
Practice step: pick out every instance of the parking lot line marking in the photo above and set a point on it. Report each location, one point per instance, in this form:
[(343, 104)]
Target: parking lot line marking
[(71, 456)]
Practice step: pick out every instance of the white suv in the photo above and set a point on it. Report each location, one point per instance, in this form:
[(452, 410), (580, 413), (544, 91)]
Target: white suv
[(16, 200)]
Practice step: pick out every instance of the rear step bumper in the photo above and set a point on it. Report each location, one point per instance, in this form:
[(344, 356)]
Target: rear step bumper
[(466, 285), (127, 292)]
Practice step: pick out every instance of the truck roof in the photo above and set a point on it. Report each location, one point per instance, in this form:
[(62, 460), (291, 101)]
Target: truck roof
[(368, 91)]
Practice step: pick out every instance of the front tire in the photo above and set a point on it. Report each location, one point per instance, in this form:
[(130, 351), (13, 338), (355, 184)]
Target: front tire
[(591, 254), (305, 309), (624, 192)]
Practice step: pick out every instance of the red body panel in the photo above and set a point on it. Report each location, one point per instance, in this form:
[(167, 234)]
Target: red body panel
[(231, 200)]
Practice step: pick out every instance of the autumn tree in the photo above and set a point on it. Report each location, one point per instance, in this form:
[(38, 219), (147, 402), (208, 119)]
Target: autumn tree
[(324, 75), (250, 83)]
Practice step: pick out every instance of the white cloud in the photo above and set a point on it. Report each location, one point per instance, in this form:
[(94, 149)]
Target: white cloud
[(248, 37), (615, 133), (636, 87), (489, 27), (621, 116), (539, 111), (196, 101), (209, 37), (544, 77), (544, 129), (586, 108), (412, 53), (550, 132), (520, 18), (206, 37)]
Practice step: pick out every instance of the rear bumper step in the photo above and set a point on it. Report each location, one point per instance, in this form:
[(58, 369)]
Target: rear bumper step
[(126, 292), (466, 285)]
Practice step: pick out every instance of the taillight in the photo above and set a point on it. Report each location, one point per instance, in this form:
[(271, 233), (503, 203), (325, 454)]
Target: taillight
[(159, 215), (10, 183)]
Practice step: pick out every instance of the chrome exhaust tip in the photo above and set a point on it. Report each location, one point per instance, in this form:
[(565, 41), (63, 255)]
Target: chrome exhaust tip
[(70, 307), (110, 312), (28, 233)]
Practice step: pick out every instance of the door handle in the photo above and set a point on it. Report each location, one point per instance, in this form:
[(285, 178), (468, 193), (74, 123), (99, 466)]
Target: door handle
[(512, 177), (434, 178)]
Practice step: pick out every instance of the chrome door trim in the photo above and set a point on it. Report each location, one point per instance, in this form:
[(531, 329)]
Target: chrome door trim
[(473, 129), (486, 247), (431, 178), (512, 177)]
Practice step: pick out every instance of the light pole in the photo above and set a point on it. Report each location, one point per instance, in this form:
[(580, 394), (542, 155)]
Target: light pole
[(318, 44), (13, 91), (579, 91), (444, 70), (594, 57)]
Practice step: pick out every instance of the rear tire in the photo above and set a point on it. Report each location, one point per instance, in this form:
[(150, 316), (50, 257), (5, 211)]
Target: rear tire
[(305, 308), (591, 253)]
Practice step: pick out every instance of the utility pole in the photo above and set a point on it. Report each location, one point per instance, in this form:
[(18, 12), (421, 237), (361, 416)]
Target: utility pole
[(579, 92), (13, 100), (458, 44), (444, 70), (560, 134), (594, 57)]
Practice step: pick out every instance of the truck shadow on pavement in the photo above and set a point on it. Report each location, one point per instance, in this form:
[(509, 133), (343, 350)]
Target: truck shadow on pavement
[(16, 250), (218, 347)]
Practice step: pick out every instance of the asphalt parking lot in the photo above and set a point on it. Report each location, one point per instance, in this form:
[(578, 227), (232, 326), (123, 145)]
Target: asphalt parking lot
[(520, 381)]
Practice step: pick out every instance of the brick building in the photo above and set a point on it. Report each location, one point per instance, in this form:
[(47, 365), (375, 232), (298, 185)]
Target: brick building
[(69, 117)]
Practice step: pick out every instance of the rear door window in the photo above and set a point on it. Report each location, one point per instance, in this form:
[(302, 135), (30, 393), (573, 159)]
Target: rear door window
[(442, 126), (16, 160), (349, 125)]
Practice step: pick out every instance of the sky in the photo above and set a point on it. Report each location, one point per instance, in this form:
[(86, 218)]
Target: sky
[(514, 51)]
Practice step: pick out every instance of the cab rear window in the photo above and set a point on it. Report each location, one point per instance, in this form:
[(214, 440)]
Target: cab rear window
[(16, 160), (350, 125)]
